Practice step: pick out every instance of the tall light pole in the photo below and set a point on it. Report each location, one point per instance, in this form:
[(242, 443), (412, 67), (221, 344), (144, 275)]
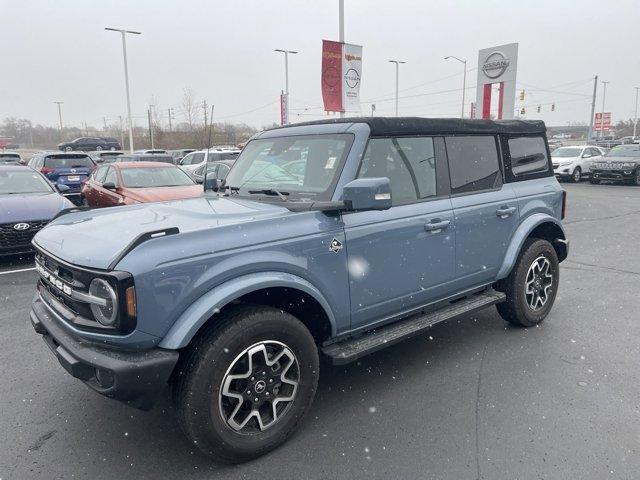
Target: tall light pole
[(604, 95), (60, 116), (286, 77), (397, 62), (635, 116), (341, 31), (464, 79), (126, 78)]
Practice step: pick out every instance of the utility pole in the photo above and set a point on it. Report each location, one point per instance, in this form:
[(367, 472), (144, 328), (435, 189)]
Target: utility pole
[(635, 116), (150, 126), (341, 33), (121, 132), (604, 95), (170, 113), (464, 80), (373, 108), (104, 120), (126, 78), (204, 108), (590, 135), (397, 62), (60, 116)]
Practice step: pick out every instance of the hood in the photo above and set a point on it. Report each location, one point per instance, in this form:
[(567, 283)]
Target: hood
[(159, 194), (95, 238), (30, 207)]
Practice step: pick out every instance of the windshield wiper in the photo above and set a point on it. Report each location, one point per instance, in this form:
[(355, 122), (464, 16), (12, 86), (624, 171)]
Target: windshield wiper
[(272, 191)]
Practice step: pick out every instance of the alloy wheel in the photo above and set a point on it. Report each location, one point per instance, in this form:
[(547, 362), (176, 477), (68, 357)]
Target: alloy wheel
[(538, 283), (259, 387), (577, 175)]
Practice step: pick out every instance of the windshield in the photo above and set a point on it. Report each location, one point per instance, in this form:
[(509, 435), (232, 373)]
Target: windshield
[(23, 181), (9, 157), (154, 177), (306, 167), (68, 161), (624, 151), (566, 152)]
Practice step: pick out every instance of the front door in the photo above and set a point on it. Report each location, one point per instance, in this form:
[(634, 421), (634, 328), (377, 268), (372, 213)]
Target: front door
[(401, 258)]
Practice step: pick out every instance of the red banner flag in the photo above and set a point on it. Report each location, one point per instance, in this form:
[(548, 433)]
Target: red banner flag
[(332, 76)]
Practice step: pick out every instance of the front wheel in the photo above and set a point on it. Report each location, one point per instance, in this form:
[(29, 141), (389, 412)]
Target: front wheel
[(636, 178), (68, 149), (577, 175), (98, 148), (246, 383), (532, 285)]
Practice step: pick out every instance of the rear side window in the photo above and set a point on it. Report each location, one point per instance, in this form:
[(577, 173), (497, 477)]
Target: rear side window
[(473, 163), (528, 155), (68, 161), (408, 163)]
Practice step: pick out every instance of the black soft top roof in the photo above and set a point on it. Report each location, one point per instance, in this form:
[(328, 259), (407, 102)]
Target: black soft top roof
[(384, 126)]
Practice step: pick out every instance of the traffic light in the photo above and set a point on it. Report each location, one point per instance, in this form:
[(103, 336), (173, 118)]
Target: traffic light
[(522, 112), (538, 108), (553, 107), (522, 95)]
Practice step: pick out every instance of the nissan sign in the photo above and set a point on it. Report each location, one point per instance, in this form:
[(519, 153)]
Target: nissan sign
[(495, 65)]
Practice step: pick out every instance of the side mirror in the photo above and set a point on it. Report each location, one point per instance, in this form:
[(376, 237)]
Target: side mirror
[(109, 186), (586, 155), (211, 184), (181, 162), (62, 188), (199, 180), (367, 194)]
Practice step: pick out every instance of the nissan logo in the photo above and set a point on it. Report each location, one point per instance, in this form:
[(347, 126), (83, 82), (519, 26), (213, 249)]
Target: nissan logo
[(495, 65), (21, 226)]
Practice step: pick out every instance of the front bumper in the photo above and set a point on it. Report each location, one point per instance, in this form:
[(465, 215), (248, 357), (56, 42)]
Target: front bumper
[(133, 377), (614, 175)]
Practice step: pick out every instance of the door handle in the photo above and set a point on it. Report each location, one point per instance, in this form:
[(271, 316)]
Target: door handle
[(436, 225), (504, 212)]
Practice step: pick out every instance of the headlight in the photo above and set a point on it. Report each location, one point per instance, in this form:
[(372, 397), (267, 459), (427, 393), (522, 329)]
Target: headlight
[(105, 314)]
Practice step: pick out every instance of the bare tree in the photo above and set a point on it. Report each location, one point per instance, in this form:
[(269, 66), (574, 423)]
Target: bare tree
[(189, 107)]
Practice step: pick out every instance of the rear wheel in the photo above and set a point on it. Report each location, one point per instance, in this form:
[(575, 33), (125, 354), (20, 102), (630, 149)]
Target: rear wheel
[(577, 175), (112, 149), (246, 383), (68, 149), (636, 178), (98, 148), (532, 285)]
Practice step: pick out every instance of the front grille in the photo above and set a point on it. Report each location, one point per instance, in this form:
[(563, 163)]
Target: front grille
[(10, 237)]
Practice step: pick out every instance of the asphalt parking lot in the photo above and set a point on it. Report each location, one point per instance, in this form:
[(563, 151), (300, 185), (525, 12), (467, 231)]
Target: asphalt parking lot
[(471, 399)]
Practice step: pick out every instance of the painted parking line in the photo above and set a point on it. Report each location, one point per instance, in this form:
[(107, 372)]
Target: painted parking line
[(18, 271)]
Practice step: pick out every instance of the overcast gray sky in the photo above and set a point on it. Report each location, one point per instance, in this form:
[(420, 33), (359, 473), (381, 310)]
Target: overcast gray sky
[(223, 51)]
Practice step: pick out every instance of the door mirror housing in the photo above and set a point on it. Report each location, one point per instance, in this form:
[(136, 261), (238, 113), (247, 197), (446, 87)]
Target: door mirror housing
[(62, 188), (109, 186), (586, 155), (199, 180), (211, 184), (367, 194)]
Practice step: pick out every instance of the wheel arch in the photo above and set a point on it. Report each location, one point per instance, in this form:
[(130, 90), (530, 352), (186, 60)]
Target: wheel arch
[(538, 225), (282, 290)]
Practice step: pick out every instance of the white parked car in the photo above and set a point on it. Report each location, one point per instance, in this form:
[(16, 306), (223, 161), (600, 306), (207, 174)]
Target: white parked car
[(192, 161), (574, 162)]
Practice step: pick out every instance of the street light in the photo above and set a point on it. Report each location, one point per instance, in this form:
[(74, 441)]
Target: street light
[(286, 78), (126, 78), (635, 117), (60, 117), (464, 79), (604, 95), (397, 62)]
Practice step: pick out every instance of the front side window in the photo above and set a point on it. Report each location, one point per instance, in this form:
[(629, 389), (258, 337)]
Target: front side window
[(473, 163), (408, 163), (265, 165), (528, 155), (100, 174), (111, 176)]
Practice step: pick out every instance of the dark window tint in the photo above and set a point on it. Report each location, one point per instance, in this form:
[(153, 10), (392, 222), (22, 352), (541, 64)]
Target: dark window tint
[(408, 163), (528, 155), (68, 161), (473, 163)]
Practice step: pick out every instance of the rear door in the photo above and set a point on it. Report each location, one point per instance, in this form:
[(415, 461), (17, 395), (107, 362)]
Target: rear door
[(402, 258), (484, 207)]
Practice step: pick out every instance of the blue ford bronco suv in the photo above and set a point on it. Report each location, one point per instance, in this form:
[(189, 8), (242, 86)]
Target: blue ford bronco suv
[(327, 239)]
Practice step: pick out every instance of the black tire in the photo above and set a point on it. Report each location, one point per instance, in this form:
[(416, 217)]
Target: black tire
[(68, 149), (594, 181), (112, 149), (98, 148), (198, 382), (517, 309), (636, 179), (576, 176)]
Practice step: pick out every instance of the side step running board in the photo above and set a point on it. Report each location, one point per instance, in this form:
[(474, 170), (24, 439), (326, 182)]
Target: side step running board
[(353, 348)]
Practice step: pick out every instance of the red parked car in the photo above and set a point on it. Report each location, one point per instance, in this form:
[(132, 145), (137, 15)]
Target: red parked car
[(126, 183)]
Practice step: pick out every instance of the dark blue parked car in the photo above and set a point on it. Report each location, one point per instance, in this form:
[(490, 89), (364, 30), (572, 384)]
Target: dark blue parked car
[(27, 202), (333, 238), (64, 168)]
